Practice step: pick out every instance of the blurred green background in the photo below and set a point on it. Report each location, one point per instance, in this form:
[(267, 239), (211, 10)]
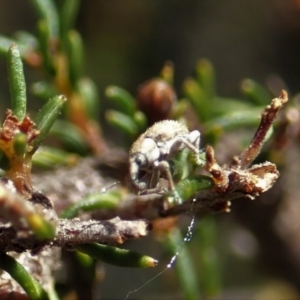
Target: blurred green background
[(127, 42)]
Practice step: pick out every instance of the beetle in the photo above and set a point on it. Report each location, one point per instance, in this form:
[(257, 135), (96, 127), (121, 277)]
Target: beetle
[(150, 153)]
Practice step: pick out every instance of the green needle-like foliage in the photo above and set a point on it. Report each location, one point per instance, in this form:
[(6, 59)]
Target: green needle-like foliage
[(26, 40), (122, 98), (42, 229), (31, 286), (45, 119), (16, 82), (233, 120), (5, 44), (255, 92), (123, 122), (191, 185), (92, 202), (76, 56), (48, 157), (118, 257), (68, 13), (47, 11), (43, 90), (45, 43), (70, 137), (205, 76), (87, 88), (195, 93)]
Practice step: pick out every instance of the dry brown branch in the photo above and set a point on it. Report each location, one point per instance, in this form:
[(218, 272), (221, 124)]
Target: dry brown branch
[(74, 232), (267, 118)]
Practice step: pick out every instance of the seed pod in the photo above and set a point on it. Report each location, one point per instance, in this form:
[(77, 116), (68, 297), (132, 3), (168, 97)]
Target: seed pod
[(155, 98)]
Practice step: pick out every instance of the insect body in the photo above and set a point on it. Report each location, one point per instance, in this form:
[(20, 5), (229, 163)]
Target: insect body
[(150, 153)]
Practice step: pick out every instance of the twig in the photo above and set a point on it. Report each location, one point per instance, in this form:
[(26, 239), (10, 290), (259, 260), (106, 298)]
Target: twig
[(74, 232), (267, 118)]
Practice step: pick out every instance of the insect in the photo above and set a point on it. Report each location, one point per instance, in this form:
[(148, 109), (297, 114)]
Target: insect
[(150, 153)]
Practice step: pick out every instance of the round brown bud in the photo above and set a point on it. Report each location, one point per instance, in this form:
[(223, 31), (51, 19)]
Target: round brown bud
[(155, 98)]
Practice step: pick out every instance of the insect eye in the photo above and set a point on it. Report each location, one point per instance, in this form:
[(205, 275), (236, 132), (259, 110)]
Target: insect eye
[(140, 160)]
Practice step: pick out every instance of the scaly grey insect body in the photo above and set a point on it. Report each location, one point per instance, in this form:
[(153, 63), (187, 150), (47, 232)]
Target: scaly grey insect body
[(151, 152)]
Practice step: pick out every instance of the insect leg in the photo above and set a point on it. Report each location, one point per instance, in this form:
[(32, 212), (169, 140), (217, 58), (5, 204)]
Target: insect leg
[(153, 182), (192, 143), (164, 166)]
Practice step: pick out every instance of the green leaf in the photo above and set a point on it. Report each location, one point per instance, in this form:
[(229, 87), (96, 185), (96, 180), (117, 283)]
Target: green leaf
[(233, 120), (122, 121), (43, 89), (205, 76), (254, 92), (92, 202), (122, 98), (84, 260), (75, 56), (179, 109), (6, 42), (45, 46), (31, 286), (42, 229), (49, 157), (189, 186), (46, 117), (179, 166), (224, 105), (89, 93), (47, 11), (197, 97), (70, 137), (118, 257), (141, 120), (68, 14), (16, 82), (26, 40)]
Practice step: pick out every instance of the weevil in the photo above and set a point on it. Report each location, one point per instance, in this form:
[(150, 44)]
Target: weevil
[(150, 153)]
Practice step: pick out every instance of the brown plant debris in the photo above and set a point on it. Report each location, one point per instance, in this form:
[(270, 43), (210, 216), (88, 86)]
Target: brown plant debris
[(18, 169)]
